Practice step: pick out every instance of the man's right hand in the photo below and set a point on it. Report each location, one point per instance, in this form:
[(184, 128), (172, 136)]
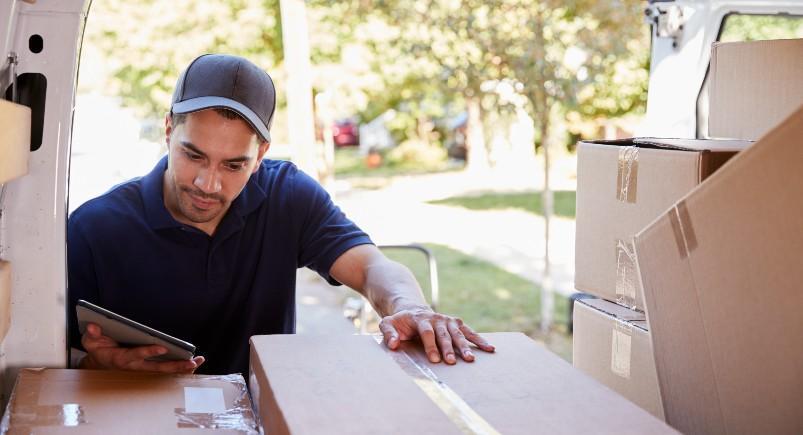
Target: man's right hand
[(105, 353)]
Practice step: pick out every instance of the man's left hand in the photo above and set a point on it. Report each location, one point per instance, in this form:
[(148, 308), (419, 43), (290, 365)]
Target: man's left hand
[(442, 335)]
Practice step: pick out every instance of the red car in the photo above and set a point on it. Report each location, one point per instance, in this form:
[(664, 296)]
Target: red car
[(346, 133)]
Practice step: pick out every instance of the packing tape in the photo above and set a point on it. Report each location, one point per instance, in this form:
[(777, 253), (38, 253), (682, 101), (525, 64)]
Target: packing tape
[(24, 412), (458, 411), (626, 276), (685, 237), (621, 344), (627, 174), (239, 417)]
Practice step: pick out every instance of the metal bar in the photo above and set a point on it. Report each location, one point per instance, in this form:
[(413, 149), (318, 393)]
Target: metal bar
[(433, 270), (12, 68)]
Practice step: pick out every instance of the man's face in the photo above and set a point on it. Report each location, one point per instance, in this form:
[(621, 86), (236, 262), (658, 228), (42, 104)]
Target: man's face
[(210, 160)]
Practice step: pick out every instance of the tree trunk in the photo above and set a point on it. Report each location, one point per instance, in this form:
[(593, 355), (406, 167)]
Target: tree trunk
[(476, 153)]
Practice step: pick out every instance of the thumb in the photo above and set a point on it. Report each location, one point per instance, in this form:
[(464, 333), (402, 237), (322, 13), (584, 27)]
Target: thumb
[(389, 333), (94, 330)]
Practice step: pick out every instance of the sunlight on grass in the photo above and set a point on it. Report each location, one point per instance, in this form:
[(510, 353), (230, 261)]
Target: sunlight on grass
[(487, 298), (527, 201)]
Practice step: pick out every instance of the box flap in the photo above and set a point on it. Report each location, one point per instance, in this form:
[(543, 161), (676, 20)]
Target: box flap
[(721, 277), (714, 145), (612, 309)]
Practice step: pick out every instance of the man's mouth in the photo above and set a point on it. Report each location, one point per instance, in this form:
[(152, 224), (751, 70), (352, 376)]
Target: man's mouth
[(202, 202)]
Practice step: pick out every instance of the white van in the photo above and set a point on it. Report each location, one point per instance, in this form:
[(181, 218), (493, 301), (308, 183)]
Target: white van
[(41, 42)]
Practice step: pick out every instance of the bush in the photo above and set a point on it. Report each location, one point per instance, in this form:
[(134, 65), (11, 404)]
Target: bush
[(417, 154)]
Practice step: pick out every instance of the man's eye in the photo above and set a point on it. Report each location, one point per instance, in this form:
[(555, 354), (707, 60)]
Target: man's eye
[(193, 156), (235, 166)]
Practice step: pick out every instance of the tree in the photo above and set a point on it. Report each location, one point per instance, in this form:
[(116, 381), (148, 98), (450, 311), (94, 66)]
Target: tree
[(147, 44)]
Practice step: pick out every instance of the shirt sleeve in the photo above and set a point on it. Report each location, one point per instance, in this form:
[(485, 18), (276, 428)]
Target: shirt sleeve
[(325, 232), (81, 278)]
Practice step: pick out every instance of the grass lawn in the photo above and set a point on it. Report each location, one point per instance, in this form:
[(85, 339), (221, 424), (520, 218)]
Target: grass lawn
[(527, 201), (349, 163), (488, 298)]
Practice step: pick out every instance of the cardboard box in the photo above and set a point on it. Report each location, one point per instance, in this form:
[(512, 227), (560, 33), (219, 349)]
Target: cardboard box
[(622, 185), (5, 298), (722, 280), (101, 402), (753, 86), (305, 384), (611, 343), (15, 142)]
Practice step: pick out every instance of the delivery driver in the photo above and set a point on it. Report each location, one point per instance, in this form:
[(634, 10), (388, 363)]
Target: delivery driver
[(205, 247)]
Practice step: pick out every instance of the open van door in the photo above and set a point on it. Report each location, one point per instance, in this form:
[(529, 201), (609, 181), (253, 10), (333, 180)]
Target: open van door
[(40, 41), (682, 35)]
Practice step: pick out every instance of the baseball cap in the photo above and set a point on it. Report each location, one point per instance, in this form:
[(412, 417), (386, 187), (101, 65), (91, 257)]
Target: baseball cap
[(231, 82)]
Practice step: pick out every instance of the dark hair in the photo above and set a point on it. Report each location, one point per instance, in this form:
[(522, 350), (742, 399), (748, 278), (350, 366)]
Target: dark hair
[(180, 118)]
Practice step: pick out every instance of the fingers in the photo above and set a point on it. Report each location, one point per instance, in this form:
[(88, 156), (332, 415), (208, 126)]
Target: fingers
[(459, 340), (444, 341), (145, 352), (188, 366), (427, 334), (94, 339), (476, 339), (390, 334)]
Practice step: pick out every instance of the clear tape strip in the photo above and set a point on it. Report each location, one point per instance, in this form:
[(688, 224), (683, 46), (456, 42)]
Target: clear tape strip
[(458, 411), (626, 277), (627, 174), (621, 348), (683, 230), (239, 417), (23, 410)]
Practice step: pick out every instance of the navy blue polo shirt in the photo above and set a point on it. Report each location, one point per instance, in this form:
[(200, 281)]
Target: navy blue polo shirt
[(127, 254)]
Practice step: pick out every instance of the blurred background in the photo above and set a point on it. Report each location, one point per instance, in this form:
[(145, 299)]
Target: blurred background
[(442, 123)]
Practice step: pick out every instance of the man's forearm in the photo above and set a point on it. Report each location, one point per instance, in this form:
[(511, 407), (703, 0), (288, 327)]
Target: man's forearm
[(391, 287)]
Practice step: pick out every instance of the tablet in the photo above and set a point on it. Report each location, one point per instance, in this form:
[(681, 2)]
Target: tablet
[(129, 333)]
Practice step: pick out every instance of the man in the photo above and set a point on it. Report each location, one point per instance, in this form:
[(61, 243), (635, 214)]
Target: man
[(205, 247)]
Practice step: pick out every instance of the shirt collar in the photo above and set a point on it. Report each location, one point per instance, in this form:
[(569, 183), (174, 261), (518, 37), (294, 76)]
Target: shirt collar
[(251, 197)]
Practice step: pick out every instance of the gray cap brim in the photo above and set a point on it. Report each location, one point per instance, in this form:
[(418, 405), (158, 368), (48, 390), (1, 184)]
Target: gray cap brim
[(203, 103)]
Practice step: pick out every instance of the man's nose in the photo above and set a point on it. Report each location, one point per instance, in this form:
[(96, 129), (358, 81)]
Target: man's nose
[(208, 180)]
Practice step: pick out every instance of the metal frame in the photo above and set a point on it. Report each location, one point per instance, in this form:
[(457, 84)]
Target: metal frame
[(33, 224), (434, 301)]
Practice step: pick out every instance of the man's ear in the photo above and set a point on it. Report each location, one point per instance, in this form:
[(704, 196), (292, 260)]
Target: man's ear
[(263, 148), (168, 128)]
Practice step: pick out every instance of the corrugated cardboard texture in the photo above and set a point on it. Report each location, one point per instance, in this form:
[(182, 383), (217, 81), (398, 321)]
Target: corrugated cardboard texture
[(754, 86), (15, 142), (351, 384), (595, 323), (102, 402), (5, 298), (308, 384), (725, 320), (666, 172)]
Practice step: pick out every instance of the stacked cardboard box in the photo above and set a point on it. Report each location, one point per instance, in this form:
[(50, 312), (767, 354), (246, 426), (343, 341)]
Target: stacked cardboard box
[(101, 402), (715, 262), (612, 344), (722, 280), (754, 86), (15, 123), (351, 384), (622, 186)]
